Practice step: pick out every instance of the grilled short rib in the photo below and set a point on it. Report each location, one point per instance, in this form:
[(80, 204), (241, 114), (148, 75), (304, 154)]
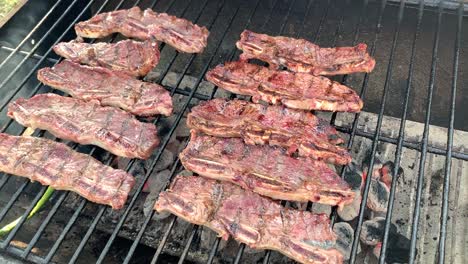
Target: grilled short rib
[(132, 57), (300, 55), (251, 219), (55, 164), (294, 90), (136, 23), (87, 123), (266, 170), (295, 130), (109, 87)]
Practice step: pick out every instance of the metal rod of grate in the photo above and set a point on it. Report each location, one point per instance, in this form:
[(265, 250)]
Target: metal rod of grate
[(353, 131), (401, 135), (425, 139)]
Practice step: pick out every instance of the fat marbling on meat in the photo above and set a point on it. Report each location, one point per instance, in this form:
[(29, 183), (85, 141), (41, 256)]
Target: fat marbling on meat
[(266, 170), (251, 219), (300, 55), (297, 130), (146, 24), (109, 87), (129, 56), (57, 165), (294, 90), (87, 123)]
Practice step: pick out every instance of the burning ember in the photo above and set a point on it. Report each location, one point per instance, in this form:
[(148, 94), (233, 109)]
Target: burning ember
[(373, 229)]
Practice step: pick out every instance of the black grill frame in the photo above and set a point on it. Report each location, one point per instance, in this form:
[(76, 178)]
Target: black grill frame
[(422, 146)]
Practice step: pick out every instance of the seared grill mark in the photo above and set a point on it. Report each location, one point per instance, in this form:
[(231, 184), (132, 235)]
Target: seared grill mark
[(300, 55), (252, 219), (87, 123), (132, 57), (265, 170), (55, 164), (295, 130), (110, 88), (294, 90), (135, 23)]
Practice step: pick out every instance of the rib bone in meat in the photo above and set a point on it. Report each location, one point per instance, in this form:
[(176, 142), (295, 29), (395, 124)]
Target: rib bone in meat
[(132, 57), (266, 170), (135, 23), (251, 219), (56, 164), (108, 87), (300, 55), (294, 90), (87, 123), (295, 130)]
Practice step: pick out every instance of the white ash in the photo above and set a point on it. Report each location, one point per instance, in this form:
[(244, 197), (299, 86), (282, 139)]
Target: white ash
[(165, 160), (156, 183), (353, 176), (318, 208), (378, 196), (372, 231), (185, 173), (208, 238), (182, 131), (351, 211), (345, 237)]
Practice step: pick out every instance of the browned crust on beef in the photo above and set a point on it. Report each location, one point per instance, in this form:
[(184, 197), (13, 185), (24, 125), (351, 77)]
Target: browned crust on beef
[(57, 165), (251, 219), (132, 57), (136, 23), (266, 170), (298, 131), (300, 55), (294, 90), (87, 123), (109, 87)]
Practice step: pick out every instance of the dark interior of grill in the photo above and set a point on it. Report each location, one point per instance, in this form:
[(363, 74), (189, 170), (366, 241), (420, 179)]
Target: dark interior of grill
[(413, 117)]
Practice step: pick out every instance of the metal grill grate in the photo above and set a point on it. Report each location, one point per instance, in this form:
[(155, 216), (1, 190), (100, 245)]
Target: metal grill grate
[(327, 22)]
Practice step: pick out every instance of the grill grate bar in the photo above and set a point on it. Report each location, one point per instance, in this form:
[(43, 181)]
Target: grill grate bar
[(407, 144), (65, 231), (423, 146), (401, 136), (36, 27), (283, 24), (213, 250), (79, 209), (130, 164), (149, 217), (377, 130), (44, 224), (188, 244), (448, 159), (18, 88), (417, 209), (15, 70), (163, 146), (10, 236), (164, 240), (354, 129)]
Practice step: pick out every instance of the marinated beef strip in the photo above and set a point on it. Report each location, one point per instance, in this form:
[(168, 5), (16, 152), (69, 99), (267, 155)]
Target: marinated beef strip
[(294, 90), (132, 57), (57, 165), (295, 130), (136, 23), (300, 55), (266, 170), (251, 219), (109, 87), (87, 123)]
